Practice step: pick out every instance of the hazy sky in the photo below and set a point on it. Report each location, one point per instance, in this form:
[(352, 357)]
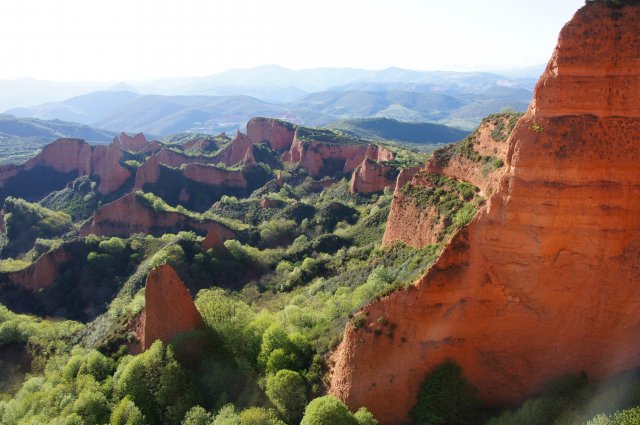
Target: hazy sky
[(140, 39)]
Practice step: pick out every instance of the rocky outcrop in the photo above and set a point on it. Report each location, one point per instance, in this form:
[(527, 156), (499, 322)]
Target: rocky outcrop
[(176, 159), (236, 151), (372, 176), (214, 176), (215, 240), (64, 155), (478, 160), (7, 172), (545, 279), (202, 144), (105, 164), (131, 144), (278, 134), (152, 147), (148, 172), (314, 156), (43, 272), (169, 309), (131, 214)]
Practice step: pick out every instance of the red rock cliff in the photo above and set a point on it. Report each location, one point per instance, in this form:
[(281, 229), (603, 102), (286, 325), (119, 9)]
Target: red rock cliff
[(236, 151), (545, 279), (277, 133), (169, 309), (105, 164), (129, 214), (64, 155), (43, 272), (372, 176), (214, 176), (132, 144), (477, 160), (312, 155), (148, 172)]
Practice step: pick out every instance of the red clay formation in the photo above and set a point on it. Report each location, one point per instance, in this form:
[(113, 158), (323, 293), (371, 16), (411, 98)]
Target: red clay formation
[(214, 176), (545, 279), (270, 130), (372, 176), (8, 171), (148, 172), (43, 272), (169, 309), (128, 215), (311, 155), (236, 151), (105, 164), (132, 144), (64, 155), (426, 228)]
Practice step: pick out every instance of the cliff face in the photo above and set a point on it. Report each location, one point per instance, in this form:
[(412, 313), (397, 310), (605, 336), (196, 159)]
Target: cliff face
[(478, 160), (214, 176), (236, 151), (372, 176), (64, 155), (129, 214), (148, 172), (105, 164), (169, 309), (544, 280), (7, 172), (132, 144), (176, 159), (43, 272), (314, 156), (279, 135)]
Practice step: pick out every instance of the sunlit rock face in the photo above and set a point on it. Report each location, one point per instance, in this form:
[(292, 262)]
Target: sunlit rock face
[(129, 214), (169, 309), (276, 133), (546, 279)]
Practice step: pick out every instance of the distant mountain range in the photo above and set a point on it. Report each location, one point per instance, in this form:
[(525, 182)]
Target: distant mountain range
[(417, 134), (225, 101), (21, 138)]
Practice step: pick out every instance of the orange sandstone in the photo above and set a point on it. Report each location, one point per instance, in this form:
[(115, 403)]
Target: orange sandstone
[(545, 279), (169, 309), (277, 133), (129, 214)]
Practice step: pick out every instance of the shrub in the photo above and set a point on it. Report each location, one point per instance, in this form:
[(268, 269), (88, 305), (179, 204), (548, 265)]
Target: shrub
[(259, 416), (364, 417), (197, 415), (287, 391), (127, 413), (227, 416), (327, 410), (446, 397)]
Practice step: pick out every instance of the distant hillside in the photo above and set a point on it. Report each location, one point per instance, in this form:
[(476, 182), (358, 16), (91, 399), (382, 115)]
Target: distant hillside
[(85, 109), (21, 138), (416, 133), (163, 115)]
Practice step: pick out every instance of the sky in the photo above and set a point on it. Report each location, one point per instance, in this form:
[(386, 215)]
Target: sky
[(134, 40)]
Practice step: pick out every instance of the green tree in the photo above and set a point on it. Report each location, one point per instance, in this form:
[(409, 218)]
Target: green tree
[(287, 391), (259, 416), (127, 413), (197, 415), (327, 410), (446, 397), (227, 416), (364, 417)]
